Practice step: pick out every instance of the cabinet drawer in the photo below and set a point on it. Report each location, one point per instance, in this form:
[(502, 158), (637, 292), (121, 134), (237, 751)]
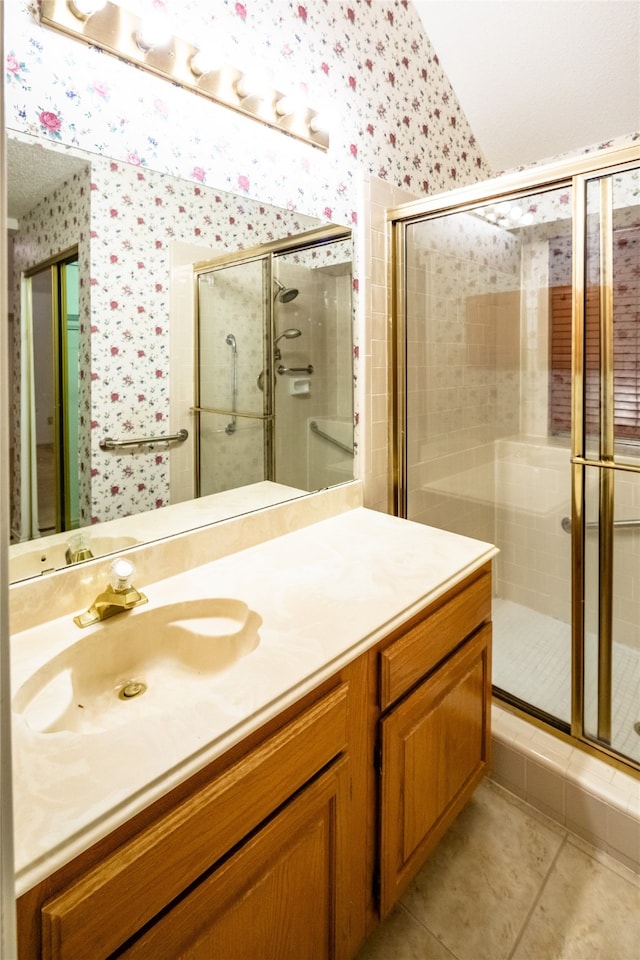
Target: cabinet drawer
[(110, 903), (423, 646)]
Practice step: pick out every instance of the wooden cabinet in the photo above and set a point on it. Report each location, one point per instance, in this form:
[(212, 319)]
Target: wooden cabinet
[(434, 751), (272, 850), (127, 890), (275, 897)]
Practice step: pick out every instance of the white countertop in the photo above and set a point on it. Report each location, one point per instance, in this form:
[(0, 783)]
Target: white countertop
[(325, 594)]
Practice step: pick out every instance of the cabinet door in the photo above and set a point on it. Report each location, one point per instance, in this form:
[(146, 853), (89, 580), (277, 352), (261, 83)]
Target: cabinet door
[(434, 751), (281, 896)]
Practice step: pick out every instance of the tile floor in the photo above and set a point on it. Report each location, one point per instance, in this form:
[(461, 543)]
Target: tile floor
[(506, 882)]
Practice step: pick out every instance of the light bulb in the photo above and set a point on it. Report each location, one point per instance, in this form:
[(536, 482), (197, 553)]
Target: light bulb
[(290, 104), (154, 31), (254, 83), (83, 9), (527, 218), (205, 61), (516, 213)]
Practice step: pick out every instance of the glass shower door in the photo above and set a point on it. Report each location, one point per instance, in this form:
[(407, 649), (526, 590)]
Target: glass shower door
[(488, 418), (233, 403), (607, 468)]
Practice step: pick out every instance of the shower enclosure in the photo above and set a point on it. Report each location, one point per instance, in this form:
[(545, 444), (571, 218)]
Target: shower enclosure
[(274, 364), (517, 421)]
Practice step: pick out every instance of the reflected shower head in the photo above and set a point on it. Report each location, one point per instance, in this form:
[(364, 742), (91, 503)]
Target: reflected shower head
[(284, 294), (289, 334)]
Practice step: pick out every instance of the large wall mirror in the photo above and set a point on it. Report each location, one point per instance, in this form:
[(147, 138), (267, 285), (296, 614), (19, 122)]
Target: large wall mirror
[(118, 277)]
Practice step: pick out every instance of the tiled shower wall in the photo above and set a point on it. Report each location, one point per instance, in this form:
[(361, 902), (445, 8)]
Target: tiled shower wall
[(463, 344)]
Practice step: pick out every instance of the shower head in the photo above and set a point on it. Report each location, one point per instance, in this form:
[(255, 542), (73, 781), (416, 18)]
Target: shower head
[(231, 340), (289, 334), (284, 294)]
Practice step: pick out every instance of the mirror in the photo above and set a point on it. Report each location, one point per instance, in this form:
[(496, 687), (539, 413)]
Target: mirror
[(136, 235)]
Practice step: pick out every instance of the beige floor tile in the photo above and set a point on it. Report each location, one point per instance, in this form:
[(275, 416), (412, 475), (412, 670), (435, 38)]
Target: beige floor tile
[(586, 912), (476, 890), (401, 937)]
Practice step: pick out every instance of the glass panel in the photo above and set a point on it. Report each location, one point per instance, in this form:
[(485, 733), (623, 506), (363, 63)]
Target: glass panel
[(489, 417), (230, 460), (621, 252), (623, 698), (612, 533), (231, 337), (592, 408), (313, 348), (626, 617), (626, 313)]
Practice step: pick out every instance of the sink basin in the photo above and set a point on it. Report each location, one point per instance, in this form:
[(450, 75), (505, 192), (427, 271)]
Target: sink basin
[(140, 663)]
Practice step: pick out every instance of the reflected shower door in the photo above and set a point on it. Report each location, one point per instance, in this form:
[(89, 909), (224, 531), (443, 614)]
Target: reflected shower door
[(607, 467), (233, 406), (313, 376)]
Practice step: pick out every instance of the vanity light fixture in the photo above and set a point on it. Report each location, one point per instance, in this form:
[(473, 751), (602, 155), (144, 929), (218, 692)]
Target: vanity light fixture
[(113, 28)]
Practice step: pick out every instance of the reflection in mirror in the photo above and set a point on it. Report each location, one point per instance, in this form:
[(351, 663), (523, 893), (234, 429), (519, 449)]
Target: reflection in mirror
[(273, 369), (138, 234)]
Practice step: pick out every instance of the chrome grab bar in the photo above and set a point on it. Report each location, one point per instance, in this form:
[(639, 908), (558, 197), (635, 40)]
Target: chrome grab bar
[(231, 341), (565, 523), (109, 444), (282, 369), (313, 426)]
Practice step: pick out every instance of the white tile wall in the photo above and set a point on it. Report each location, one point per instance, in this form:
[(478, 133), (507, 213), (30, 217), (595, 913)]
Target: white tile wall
[(373, 388)]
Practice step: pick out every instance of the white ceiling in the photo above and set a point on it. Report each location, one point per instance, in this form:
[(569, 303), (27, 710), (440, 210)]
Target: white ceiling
[(536, 79)]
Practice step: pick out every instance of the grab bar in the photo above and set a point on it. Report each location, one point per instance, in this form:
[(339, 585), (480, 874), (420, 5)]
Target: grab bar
[(282, 369), (313, 426), (109, 444), (565, 523), (231, 341)]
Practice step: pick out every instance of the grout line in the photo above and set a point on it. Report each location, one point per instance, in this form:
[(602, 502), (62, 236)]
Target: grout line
[(424, 926), (536, 899)]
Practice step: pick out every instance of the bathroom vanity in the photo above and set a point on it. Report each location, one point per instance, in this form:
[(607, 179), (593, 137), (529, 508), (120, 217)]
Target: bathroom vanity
[(359, 728)]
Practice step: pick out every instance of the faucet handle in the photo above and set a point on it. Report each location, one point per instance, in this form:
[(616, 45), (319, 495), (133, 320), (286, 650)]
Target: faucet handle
[(121, 574)]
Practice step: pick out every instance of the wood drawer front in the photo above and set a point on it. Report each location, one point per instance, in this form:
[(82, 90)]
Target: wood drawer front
[(110, 903), (422, 647)]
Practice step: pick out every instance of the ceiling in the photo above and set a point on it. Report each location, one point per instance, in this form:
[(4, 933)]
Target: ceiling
[(537, 79), (47, 171)]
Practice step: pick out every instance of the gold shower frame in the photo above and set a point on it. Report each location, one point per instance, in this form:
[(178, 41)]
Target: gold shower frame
[(573, 173)]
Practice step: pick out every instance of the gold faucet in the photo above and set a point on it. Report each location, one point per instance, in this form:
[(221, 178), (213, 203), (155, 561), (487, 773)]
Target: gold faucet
[(120, 595), (77, 550)]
